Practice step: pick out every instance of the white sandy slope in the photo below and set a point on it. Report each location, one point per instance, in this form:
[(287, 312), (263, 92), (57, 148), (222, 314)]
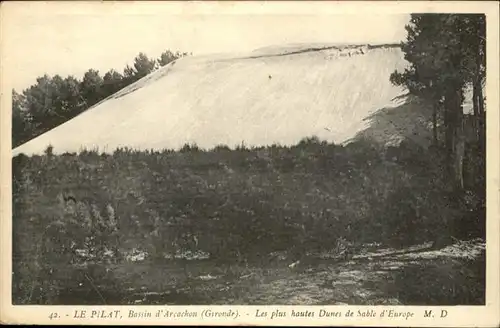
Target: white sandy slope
[(272, 95)]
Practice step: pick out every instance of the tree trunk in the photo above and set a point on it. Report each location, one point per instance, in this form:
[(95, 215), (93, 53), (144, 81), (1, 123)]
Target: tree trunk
[(481, 118), (459, 150), (478, 85), (477, 117), (448, 137), (454, 136)]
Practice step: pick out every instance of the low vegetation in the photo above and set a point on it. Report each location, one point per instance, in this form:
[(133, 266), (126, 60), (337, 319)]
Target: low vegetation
[(87, 216)]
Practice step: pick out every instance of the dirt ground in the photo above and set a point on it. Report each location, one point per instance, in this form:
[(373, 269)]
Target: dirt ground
[(375, 276)]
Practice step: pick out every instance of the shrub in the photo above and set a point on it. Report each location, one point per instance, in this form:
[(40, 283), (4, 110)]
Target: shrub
[(236, 205), (189, 148), (221, 148)]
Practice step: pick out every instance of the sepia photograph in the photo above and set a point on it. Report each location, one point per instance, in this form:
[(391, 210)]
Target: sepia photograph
[(205, 158)]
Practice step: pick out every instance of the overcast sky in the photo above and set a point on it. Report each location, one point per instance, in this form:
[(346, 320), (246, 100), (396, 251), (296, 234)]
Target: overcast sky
[(69, 41)]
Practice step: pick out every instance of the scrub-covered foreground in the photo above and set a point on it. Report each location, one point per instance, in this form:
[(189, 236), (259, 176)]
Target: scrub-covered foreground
[(201, 226)]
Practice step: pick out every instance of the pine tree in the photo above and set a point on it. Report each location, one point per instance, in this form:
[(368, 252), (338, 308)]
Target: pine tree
[(112, 82), (168, 56), (20, 119), (143, 65), (445, 52), (91, 87)]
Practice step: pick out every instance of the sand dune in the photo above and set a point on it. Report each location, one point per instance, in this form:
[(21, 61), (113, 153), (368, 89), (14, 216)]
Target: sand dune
[(272, 95)]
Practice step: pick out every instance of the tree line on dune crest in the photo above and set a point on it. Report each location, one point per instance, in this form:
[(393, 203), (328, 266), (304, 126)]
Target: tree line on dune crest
[(54, 100)]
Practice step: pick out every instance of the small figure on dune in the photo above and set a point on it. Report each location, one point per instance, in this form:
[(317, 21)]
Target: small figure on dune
[(270, 76)]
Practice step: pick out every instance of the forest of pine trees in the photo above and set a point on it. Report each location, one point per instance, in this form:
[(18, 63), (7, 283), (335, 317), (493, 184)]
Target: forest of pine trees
[(447, 54), (54, 100)]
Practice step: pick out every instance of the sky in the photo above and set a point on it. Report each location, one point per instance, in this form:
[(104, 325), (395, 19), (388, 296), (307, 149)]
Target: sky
[(71, 41)]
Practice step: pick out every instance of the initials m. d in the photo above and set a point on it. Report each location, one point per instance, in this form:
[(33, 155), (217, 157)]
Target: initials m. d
[(428, 313)]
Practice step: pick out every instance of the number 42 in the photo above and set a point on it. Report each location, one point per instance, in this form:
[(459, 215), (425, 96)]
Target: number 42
[(53, 315)]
